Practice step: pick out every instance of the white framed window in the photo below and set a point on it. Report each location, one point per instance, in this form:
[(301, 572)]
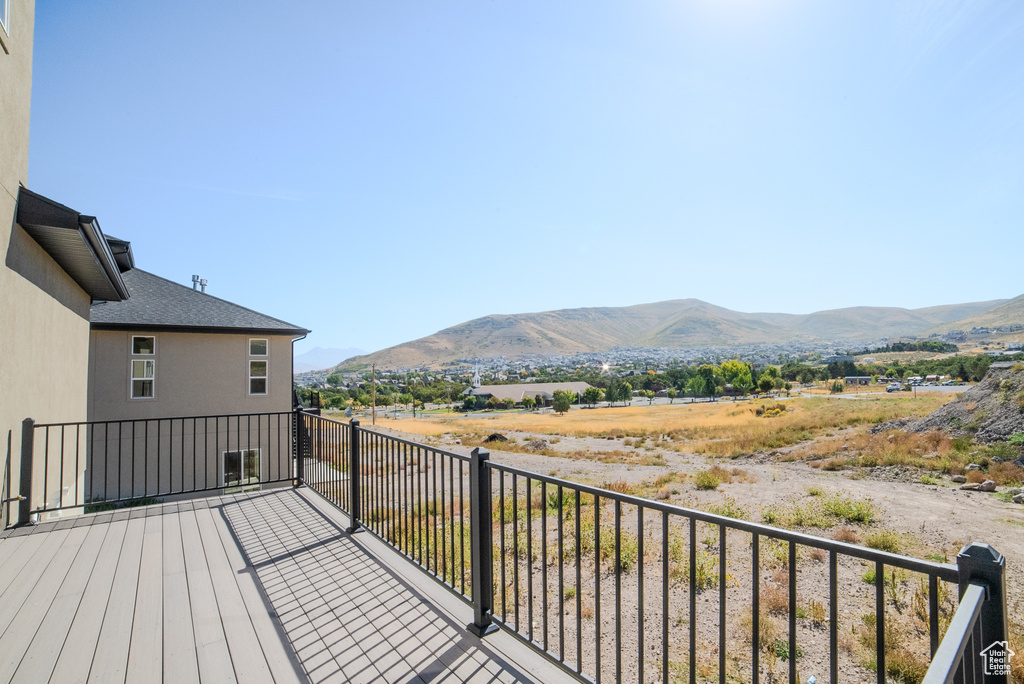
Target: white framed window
[(257, 377), (240, 469), (258, 346), (143, 378), (143, 345), (5, 16)]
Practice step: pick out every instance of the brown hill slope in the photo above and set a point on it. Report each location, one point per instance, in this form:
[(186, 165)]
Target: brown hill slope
[(1005, 312), (680, 323)]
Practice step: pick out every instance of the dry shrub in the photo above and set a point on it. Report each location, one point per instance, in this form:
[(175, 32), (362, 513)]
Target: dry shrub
[(1006, 473), (620, 486), (976, 476), (1017, 662), (846, 534), (904, 666), (721, 474), (586, 609), (819, 555), (768, 630), (775, 598)]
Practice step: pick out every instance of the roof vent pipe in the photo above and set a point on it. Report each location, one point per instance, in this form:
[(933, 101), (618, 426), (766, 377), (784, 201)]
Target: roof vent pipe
[(198, 283)]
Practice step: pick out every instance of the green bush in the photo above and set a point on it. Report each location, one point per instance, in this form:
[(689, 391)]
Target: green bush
[(706, 480)]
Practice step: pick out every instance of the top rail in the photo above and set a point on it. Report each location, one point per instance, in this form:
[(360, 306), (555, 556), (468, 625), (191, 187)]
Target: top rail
[(946, 662), (161, 418)]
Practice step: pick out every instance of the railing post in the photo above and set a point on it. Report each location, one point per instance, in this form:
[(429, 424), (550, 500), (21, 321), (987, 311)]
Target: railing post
[(480, 543), (28, 430), (980, 563), (353, 477), (300, 457)]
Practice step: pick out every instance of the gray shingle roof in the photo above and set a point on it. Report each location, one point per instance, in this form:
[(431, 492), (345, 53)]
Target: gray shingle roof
[(156, 303)]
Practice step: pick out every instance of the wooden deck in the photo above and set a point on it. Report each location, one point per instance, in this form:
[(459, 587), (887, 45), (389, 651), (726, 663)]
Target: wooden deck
[(261, 587)]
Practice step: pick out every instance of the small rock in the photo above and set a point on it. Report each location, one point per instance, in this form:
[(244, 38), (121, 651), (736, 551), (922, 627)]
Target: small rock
[(458, 441), (1014, 491), (538, 444), (996, 459), (496, 437), (1019, 499), (958, 479), (987, 486), (974, 466), (845, 447), (970, 486), (930, 456)]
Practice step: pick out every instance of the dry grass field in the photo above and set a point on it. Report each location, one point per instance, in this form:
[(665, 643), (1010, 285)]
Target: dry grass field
[(722, 428)]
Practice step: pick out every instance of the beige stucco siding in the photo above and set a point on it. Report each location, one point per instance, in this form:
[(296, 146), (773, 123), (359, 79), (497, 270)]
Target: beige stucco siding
[(197, 374), (15, 98), (44, 314)]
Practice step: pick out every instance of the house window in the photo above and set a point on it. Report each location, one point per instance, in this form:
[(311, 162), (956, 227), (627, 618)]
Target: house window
[(5, 10), (258, 347), (241, 469), (143, 346), (257, 377), (143, 376)]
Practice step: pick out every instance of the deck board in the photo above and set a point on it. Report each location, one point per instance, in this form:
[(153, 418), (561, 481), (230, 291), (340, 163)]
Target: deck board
[(41, 655), (18, 636), (243, 644), (79, 647), (145, 653), (250, 587), (211, 644), (179, 643), (110, 663), (24, 582)]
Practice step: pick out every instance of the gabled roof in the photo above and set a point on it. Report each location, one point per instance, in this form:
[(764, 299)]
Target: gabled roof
[(159, 304), (75, 242)]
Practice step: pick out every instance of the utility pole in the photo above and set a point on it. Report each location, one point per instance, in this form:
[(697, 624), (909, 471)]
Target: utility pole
[(373, 392)]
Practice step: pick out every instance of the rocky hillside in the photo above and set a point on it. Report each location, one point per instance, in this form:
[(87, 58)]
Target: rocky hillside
[(991, 411)]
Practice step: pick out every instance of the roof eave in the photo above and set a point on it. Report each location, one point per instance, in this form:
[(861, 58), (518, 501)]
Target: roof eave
[(75, 242), (206, 330)]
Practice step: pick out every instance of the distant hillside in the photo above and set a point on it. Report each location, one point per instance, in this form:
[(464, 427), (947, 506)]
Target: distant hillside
[(681, 323), (319, 358), (1006, 312)]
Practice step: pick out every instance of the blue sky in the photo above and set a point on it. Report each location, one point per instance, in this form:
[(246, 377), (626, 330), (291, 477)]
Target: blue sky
[(378, 171)]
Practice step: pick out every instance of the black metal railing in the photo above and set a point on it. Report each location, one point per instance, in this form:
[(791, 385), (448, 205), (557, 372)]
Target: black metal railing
[(614, 587), (412, 496), (975, 647), (102, 464)]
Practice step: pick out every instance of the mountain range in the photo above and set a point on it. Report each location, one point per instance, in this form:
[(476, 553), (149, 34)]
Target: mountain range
[(319, 358), (680, 323)]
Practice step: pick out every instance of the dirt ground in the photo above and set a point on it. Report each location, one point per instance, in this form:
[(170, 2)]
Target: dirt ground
[(932, 520)]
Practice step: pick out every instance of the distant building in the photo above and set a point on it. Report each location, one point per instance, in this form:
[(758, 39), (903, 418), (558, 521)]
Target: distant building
[(857, 379)]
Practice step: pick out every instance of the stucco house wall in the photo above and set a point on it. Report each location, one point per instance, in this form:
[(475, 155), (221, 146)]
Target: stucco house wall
[(197, 374)]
